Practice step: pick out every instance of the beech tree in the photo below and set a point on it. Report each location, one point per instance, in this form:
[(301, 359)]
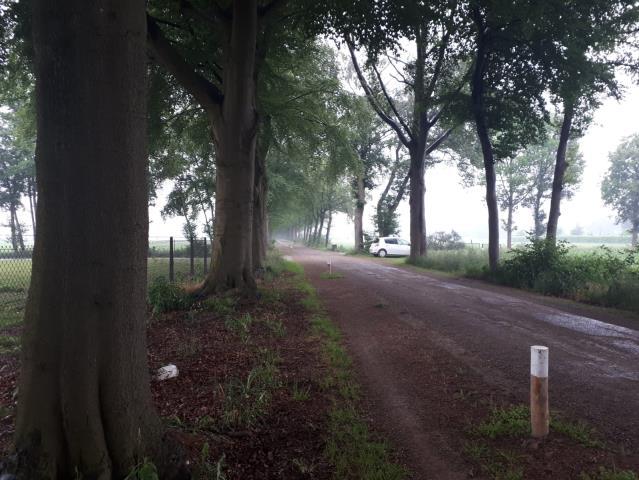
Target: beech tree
[(620, 186), (84, 403), (590, 39), (226, 91), (506, 90), (396, 185), (431, 79), (366, 137)]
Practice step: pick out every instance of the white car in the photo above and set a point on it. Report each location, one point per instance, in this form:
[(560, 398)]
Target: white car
[(389, 246)]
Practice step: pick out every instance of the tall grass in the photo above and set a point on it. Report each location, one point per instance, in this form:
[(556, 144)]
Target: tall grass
[(601, 276), (468, 261)]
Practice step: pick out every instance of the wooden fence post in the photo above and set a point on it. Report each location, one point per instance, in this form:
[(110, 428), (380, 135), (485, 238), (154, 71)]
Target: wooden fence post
[(539, 414), (192, 258), (206, 267), (171, 265)]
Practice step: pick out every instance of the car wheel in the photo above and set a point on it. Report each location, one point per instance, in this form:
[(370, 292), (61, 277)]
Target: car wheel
[(381, 253)]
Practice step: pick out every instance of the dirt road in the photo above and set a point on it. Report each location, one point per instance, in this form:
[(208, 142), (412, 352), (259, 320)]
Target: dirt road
[(425, 346)]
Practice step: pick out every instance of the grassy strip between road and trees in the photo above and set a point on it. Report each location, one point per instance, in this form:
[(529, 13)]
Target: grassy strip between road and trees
[(601, 276), (265, 388)]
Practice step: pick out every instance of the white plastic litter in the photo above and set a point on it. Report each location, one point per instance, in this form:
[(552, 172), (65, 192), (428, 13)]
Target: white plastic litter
[(166, 372)]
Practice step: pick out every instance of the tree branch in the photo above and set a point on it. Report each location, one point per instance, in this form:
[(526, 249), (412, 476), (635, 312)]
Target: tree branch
[(392, 104), (437, 143), (205, 92), (371, 97)]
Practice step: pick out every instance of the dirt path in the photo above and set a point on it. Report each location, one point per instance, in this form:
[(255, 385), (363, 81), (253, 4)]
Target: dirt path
[(425, 346)]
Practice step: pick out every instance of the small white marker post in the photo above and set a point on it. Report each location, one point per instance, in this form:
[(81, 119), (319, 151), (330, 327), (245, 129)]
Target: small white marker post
[(539, 414), (330, 265)]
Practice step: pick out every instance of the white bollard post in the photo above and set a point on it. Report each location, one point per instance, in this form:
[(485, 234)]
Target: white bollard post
[(539, 413), (330, 265)]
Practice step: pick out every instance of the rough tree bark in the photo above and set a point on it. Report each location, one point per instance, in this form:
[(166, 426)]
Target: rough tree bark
[(560, 171), (509, 223), (386, 210), (260, 220), (85, 407), (234, 121), (358, 219), (479, 114), (328, 227)]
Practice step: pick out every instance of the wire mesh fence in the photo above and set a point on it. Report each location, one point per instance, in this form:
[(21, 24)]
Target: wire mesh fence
[(176, 259)]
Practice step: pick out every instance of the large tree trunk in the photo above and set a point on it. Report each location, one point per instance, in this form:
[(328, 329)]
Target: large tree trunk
[(235, 131), (260, 221), (12, 226), (509, 225), (328, 227), (560, 171), (416, 201), (358, 220), (84, 407), (487, 151), (538, 217), (32, 203)]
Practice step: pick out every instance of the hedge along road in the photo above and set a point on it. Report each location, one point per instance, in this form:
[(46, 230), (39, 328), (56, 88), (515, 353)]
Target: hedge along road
[(421, 341)]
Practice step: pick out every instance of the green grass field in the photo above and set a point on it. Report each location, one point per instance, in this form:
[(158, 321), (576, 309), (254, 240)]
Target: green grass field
[(15, 275)]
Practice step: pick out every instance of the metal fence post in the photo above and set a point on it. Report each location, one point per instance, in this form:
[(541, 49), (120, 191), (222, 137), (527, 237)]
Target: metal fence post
[(192, 258), (171, 266), (206, 267)]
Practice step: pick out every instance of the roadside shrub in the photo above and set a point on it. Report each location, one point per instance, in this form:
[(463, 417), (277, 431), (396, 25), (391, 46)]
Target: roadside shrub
[(445, 241), (165, 296), (467, 261)]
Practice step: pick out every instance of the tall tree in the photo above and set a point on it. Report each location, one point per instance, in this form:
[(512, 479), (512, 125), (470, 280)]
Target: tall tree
[(385, 215), (366, 137), (228, 96), (506, 87), (430, 79), (620, 187), (541, 162), (587, 46), (84, 407)]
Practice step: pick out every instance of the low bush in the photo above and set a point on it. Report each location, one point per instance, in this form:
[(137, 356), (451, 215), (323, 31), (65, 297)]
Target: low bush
[(165, 296), (602, 277), (468, 261)]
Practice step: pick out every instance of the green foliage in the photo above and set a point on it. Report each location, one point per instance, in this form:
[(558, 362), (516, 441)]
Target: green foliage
[(467, 261), (9, 344), (145, 470), (165, 296), (445, 241), (498, 464), (240, 325), (353, 452), (331, 275), (506, 422), (603, 276), (246, 401), (577, 431), (620, 187), (220, 305), (203, 469), (301, 394)]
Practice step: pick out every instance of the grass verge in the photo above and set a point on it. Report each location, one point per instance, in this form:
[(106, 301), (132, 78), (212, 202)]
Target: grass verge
[(351, 448)]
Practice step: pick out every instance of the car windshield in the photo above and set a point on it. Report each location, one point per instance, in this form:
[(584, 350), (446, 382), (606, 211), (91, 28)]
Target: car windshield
[(402, 241)]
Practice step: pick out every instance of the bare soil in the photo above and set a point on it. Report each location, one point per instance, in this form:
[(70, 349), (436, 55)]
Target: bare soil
[(436, 355), (288, 438)]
